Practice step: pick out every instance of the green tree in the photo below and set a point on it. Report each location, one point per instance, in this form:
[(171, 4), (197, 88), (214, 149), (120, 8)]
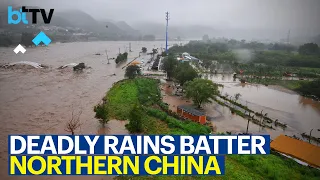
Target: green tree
[(206, 63), (205, 37), (122, 57), (144, 49), (169, 65), (5, 40), (163, 54), (237, 96), (132, 71), (154, 51), (185, 73), (135, 120), (309, 49), (201, 91), (101, 111), (26, 39)]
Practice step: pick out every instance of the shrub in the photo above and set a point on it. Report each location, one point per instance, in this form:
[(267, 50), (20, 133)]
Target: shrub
[(101, 111), (135, 120)]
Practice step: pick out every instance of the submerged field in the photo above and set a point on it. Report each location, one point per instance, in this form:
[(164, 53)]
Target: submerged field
[(303, 87), (124, 95)]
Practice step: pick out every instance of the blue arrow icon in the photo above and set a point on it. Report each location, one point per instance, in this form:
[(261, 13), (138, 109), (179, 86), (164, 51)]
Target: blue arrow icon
[(41, 37)]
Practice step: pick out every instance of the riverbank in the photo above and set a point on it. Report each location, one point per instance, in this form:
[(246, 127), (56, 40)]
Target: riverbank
[(145, 91), (41, 101), (303, 87)]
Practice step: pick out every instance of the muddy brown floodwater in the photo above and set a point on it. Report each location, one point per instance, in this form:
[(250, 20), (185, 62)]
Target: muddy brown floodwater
[(300, 113), (37, 101)]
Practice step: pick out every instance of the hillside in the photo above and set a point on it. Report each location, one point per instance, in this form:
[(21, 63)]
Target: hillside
[(74, 19), (127, 29), (184, 31)]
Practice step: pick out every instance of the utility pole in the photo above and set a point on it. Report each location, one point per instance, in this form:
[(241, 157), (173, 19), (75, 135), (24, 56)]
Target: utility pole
[(167, 19), (107, 56), (248, 126), (119, 50), (310, 136), (130, 47)]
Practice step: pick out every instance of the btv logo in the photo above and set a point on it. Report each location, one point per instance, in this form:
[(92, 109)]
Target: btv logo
[(21, 15)]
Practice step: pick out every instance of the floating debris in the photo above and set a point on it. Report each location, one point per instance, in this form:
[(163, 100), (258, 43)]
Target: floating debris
[(277, 123), (79, 67), (304, 135), (23, 63), (68, 65)]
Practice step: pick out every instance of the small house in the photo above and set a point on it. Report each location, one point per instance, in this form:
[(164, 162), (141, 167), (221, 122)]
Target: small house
[(191, 113)]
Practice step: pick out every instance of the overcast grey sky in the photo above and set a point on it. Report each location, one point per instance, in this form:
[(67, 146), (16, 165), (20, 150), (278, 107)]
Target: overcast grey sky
[(275, 14)]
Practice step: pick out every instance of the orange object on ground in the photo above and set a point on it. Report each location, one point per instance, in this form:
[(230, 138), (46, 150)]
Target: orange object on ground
[(191, 113), (135, 63), (298, 149)]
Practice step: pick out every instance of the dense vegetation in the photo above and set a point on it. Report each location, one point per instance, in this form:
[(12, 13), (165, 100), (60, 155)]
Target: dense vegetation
[(201, 91), (122, 57), (260, 63), (181, 72), (169, 65), (271, 54), (275, 58), (310, 88), (255, 167), (132, 71), (127, 95), (144, 50), (184, 73), (5, 40), (124, 98)]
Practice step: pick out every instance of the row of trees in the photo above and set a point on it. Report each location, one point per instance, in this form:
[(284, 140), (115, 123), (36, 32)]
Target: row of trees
[(271, 54), (7, 40), (199, 90), (309, 49), (180, 71), (275, 58)]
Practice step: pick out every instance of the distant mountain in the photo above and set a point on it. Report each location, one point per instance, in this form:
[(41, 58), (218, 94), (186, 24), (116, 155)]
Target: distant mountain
[(184, 31), (111, 28), (128, 29), (80, 19), (316, 39)]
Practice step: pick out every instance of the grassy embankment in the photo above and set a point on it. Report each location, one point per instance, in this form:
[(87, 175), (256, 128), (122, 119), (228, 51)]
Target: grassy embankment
[(303, 87), (125, 94)]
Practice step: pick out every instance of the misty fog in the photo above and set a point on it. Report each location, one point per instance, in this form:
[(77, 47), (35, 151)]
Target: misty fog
[(240, 19)]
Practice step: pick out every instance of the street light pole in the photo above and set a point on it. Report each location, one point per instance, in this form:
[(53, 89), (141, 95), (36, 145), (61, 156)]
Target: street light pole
[(107, 56), (310, 136), (247, 127)]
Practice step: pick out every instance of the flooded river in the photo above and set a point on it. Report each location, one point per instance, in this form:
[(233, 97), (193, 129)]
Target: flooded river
[(41, 101), (300, 113)]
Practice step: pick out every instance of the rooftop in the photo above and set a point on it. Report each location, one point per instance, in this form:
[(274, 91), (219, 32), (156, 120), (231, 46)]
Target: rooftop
[(191, 110), (298, 149)]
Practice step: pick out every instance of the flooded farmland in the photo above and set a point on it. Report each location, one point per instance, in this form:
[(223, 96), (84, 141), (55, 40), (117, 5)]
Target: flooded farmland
[(41, 101), (299, 113)]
